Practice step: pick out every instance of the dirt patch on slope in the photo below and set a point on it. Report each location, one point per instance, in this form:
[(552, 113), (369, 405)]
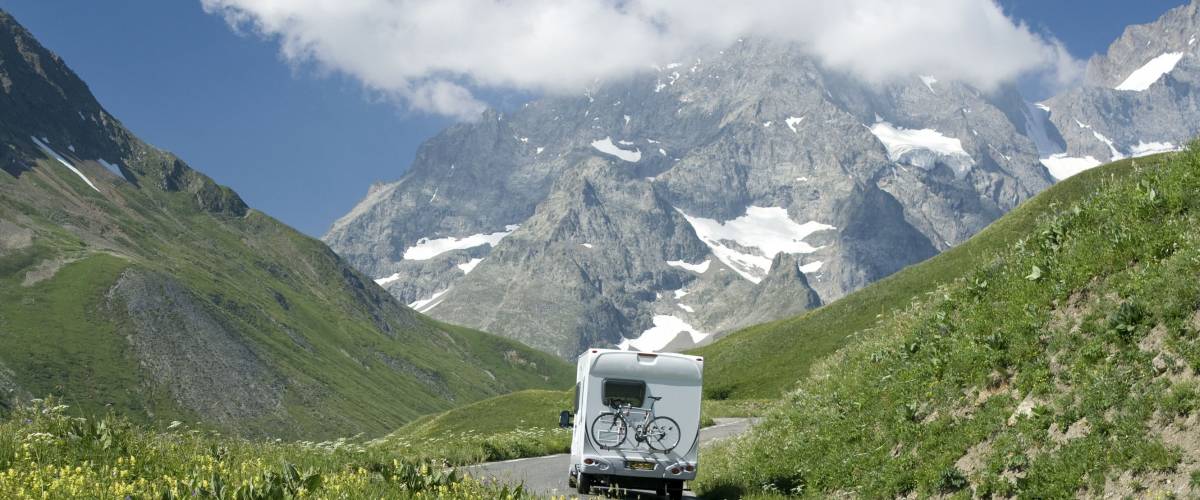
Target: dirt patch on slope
[(44, 271), (14, 237)]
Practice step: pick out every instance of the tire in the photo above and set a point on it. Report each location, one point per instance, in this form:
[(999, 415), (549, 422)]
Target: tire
[(674, 490), (662, 434), (609, 430), (583, 484)]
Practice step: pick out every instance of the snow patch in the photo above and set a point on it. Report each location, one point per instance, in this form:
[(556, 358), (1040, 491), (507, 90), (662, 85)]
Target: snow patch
[(811, 267), (687, 308), (1145, 76), (426, 305), (539, 150), (700, 268), (469, 265), (606, 146), (389, 279), (681, 293), (426, 248), (586, 245), (921, 148), (1062, 166), (626, 119), (792, 121), (666, 329), (1116, 155), (749, 243), (1150, 148), (51, 153), (767, 124)]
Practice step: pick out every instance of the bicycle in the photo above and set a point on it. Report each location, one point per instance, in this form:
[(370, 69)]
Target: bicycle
[(611, 428)]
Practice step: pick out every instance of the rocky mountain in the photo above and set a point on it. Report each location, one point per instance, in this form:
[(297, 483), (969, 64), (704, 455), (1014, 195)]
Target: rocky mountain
[(744, 185), (129, 280), (1137, 99)]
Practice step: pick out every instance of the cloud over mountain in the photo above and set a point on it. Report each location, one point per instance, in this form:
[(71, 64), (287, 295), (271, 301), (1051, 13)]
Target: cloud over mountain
[(434, 55)]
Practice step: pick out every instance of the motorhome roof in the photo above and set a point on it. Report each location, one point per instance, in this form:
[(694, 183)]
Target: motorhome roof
[(664, 367), (594, 352)]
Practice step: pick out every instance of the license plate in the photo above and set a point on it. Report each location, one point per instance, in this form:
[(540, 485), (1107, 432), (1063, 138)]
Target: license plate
[(639, 465)]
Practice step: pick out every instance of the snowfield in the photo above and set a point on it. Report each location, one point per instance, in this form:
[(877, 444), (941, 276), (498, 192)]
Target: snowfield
[(606, 146), (1061, 166), (913, 146), (811, 267), (469, 265), (1145, 76), (426, 248), (666, 329), (1150, 148), (700, 268), (767, 231)]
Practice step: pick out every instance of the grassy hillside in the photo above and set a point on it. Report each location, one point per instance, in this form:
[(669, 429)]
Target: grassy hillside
[(46, 454), (131, 282), (1064, 365), (782, 352)]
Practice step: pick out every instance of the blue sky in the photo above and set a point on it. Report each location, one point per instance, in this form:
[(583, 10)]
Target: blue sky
[(303, 145)]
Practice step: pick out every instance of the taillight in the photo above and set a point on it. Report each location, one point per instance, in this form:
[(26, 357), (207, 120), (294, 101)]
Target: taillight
[(674, 470), (588, 461), (689, 467)]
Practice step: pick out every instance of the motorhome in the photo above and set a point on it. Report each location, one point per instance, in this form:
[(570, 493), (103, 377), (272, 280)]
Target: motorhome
[(636, 421)]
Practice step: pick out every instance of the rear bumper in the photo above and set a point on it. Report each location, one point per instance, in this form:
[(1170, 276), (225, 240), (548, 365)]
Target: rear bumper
[(616, 467)]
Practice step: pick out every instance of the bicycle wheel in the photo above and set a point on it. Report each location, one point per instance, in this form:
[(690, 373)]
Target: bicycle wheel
[(609, 430), (662, 434)]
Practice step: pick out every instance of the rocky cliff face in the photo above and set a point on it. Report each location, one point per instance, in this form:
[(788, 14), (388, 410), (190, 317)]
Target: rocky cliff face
[(741, 186), (1139, 98), (738, 187)]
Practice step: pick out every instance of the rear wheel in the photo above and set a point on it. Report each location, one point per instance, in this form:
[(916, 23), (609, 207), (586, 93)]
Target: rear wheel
[(609, 430), (583, 484), (662, 434)]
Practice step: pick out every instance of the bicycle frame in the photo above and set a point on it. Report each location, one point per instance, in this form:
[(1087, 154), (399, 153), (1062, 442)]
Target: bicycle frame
[(647, 414)]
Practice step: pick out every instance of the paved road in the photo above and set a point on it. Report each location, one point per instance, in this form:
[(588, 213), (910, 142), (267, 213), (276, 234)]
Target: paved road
[(548, 475)]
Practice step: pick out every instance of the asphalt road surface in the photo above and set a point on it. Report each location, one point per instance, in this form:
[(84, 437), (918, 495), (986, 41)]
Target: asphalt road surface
[(548, 475)]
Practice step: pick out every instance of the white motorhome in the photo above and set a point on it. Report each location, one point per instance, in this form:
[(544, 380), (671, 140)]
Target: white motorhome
[(636, 421)]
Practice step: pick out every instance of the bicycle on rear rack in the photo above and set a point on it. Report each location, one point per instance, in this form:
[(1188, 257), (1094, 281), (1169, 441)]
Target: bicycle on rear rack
[(610, 429)]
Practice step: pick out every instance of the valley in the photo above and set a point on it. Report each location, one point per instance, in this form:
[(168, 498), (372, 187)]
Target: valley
[(917, 287)]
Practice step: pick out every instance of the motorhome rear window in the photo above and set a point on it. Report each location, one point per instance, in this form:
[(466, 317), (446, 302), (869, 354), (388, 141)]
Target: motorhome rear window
[(621, 392)]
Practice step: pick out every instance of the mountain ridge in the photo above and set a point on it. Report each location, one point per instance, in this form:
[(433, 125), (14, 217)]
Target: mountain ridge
[(714, 137), (133, 282)]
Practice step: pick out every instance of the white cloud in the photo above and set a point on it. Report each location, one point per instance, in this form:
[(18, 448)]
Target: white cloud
[(433, 53)]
